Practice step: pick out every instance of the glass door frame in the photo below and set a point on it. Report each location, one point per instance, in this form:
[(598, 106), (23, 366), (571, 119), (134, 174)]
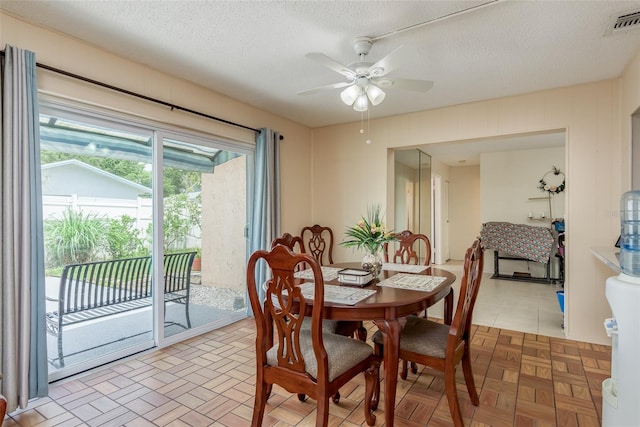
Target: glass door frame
[(104, 120), (77, 111), (158, 210)]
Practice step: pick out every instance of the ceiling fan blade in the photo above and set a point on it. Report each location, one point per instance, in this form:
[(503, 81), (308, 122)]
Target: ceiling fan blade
[(331, 64), (406, 84), (324, 88), (399, 56)]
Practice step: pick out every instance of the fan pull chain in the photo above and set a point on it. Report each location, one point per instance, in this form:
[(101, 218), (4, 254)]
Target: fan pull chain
[(368, 141)]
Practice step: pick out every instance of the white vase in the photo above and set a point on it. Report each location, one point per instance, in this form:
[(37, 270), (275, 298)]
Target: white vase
[(372, 262)]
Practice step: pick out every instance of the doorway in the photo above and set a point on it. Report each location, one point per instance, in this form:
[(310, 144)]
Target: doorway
[(487, 181), (440, 220)]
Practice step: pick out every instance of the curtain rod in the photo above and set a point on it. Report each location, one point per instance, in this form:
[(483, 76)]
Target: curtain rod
[(138, 95)]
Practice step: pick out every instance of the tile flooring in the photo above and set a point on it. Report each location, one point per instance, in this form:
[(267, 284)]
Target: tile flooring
[(524, 379), (519, 306)]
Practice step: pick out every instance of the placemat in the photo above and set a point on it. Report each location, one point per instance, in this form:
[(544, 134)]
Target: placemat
[(405, 268), (337, 294), (328, 273), (414, 282)]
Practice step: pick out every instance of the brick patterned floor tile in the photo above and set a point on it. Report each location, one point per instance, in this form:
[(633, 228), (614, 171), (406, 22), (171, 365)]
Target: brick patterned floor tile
[(209, 380)]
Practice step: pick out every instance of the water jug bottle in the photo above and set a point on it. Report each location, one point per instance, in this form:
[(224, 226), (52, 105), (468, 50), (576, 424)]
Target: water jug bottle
[(630, 233)]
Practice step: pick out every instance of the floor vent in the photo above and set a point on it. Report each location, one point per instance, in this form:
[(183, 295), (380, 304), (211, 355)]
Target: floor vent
[(625, 22)]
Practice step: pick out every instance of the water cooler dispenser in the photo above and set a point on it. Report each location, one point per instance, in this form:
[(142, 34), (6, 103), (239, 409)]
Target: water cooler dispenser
[(621, 392)]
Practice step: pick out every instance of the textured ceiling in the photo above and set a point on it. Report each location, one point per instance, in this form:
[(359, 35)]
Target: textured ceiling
[(254, 51)]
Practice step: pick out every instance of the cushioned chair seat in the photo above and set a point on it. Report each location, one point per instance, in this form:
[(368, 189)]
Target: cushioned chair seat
[(328, 325), (343, 353), (421, 336)]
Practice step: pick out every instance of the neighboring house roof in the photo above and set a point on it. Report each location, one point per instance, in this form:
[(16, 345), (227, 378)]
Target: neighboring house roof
[(76, 177)]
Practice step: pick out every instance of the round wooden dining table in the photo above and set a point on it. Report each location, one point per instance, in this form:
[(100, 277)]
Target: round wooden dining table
[(386, 308)]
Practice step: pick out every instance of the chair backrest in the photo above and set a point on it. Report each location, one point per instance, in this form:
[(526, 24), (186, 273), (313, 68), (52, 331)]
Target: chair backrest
[(283, 310), (318, 241), (411, 248), (294, 243), (469, 286)]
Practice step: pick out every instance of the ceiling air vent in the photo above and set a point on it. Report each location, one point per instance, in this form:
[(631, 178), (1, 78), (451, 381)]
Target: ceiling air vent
[(625, 22)]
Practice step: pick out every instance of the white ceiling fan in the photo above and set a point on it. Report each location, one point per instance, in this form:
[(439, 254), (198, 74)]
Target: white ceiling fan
[(365, 80)]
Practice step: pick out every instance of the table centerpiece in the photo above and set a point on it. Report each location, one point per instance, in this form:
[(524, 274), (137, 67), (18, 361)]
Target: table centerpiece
[(370, 234)]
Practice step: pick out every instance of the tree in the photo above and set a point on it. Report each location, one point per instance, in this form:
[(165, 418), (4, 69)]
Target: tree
[(175, 180)]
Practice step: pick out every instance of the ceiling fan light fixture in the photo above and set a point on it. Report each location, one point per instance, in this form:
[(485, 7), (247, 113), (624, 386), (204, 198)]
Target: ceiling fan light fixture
[(350, 94), (361, 103), (375, 94)]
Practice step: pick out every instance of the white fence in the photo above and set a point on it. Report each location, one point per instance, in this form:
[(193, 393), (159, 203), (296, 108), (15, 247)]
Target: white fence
[(140, 209)]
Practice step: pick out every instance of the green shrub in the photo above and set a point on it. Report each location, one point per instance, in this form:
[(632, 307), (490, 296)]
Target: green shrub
[(74, 238), (182, 216), (123, 239)]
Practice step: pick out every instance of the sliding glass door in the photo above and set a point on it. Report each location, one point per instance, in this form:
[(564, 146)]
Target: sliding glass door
[(144, 232), (97, 208), (205, 213)]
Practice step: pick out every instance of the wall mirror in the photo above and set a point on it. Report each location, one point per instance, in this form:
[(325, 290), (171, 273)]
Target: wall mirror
[(412, 189)]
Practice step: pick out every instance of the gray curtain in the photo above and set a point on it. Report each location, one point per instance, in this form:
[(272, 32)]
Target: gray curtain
[(265, 218), (23, 355)]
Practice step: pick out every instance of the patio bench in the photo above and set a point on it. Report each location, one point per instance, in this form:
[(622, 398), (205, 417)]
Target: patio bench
[(98, 289)]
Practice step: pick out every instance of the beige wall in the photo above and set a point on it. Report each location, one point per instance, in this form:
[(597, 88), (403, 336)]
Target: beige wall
[(349, 174), (57, 50), (224, 251), (509, 181)]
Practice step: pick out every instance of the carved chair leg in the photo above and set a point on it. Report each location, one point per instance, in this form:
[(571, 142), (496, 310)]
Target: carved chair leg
[(322, 418), (361, 333), (414, 368), (378, 352), (452, 395), (403, 370), (262, 394), (372, 382), (468, 377)]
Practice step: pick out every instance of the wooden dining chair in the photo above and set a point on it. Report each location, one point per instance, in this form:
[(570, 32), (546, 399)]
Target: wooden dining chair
[(411, 249), (294, 243), (3, 409), (343, 327), (318, 241), (3, 406), (444, 347), (306, 361)]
